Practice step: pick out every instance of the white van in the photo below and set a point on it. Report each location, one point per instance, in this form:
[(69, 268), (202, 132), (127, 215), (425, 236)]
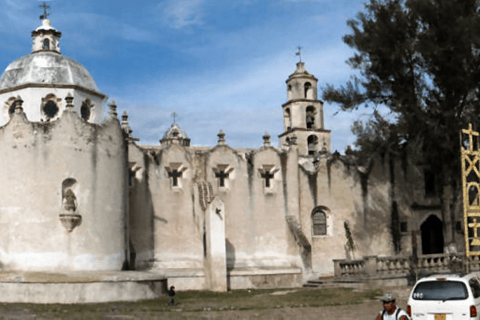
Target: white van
[(445, 297)]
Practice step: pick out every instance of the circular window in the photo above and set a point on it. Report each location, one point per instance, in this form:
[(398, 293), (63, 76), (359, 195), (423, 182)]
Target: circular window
[(50, 109)]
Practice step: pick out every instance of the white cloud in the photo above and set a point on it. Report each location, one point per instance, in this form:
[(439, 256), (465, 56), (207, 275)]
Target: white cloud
[(179, 14)]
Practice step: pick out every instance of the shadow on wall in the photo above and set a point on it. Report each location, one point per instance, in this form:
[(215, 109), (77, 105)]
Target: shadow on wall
[(230, 251), (230, 254), (142, 224)]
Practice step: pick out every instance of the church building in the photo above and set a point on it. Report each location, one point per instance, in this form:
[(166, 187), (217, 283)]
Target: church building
[(79, 192)]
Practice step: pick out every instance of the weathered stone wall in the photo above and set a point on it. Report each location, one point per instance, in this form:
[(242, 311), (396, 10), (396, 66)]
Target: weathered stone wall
[(256, 230), (38, 162)]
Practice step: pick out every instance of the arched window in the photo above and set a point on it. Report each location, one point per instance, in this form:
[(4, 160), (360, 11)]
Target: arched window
[(310, 117), (319, 221), (46, 44), (288, 119), (289, 92), (312, 142), (86, 110), (307, 87)]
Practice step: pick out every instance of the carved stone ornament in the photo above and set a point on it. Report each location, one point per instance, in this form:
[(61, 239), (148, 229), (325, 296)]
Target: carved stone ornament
[(70, 220)]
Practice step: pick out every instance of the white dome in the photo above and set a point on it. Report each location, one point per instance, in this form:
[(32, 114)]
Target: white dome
[(175, 132), (48, 68)]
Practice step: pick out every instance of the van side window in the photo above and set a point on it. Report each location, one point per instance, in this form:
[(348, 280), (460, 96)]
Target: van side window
[(475, 287)]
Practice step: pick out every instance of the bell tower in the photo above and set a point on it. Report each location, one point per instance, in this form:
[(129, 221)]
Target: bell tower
[(303, 114)]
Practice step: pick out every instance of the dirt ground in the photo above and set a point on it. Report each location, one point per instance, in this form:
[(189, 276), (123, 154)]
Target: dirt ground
[(364, 311)]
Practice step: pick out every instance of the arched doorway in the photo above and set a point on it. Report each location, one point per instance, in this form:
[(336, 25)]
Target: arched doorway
[(432, 235)]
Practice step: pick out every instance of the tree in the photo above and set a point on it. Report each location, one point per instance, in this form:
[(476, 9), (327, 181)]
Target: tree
[(419, 59)]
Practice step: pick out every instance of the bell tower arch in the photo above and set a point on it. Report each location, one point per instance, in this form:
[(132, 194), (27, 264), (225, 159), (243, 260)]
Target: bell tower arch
[(303, 114)]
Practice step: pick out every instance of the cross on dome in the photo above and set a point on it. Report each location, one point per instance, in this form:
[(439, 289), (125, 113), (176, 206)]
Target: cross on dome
[(45, 14)]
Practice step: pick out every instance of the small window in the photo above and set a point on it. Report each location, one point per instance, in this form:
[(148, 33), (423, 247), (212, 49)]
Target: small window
[(288, 119), (475, 286), (319, 223), (85, 111), (308, 87), (11, 109), (404, 226), (46, 44), (312, 142), (310, 117), (50, 109)]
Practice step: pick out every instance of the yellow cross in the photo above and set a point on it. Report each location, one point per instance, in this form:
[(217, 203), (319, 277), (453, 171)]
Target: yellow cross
[(475, 225), (470, 133)]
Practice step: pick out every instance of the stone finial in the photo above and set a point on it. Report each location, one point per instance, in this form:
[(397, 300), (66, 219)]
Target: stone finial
[(266, 140), (69, 100), (125, 127), (221, 137), (18, 105), (125, 118), (112, 112)]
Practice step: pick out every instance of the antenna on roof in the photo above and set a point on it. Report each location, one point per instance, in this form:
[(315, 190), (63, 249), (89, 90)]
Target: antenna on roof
[(45, 13), (174, 115)]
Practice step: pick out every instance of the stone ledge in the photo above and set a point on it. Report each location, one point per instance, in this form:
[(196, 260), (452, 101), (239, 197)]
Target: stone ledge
[(252, 271), (80, 287), (180, 272), (77, 276)]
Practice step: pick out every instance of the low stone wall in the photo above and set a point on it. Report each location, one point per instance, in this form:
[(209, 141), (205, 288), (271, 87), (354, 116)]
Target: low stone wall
[(80, 287), (374, 267), (264, 278)]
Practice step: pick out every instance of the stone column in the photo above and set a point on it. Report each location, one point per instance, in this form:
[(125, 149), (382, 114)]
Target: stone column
[(216, 246), (371, 266)]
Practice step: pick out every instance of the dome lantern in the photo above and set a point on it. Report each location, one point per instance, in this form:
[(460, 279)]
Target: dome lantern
[(175, 135), (46, 38)]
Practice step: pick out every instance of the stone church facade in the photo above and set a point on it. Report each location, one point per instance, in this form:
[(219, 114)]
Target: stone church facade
[(80, 193)]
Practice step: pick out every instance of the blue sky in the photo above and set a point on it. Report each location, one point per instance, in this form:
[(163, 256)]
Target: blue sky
[(218, 64)]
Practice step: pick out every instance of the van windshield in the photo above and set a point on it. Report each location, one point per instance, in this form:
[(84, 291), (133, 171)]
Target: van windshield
[(440, 290)]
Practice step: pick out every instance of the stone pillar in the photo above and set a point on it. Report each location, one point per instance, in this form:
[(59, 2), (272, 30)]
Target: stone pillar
[(337, 268), (371, 266), (216, 246)]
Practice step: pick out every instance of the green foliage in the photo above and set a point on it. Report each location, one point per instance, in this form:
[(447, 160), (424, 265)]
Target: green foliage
[(420, 60)]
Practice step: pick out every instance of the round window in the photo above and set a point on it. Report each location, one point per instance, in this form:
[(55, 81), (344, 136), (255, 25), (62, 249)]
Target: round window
[(50, 109)]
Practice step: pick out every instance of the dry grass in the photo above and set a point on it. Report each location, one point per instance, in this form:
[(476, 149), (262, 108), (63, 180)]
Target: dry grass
[(192, 301)]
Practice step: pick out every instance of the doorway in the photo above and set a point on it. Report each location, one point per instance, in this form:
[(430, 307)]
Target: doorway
[(432, 235)]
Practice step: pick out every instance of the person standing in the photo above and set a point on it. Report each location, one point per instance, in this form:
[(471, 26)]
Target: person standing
[(171, 295), (390, 310)]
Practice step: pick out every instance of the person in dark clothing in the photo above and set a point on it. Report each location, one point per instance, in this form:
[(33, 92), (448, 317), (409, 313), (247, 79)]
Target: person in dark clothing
[(171, 295)]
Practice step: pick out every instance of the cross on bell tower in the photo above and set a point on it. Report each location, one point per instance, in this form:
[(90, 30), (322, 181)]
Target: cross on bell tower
[(45, 14)]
